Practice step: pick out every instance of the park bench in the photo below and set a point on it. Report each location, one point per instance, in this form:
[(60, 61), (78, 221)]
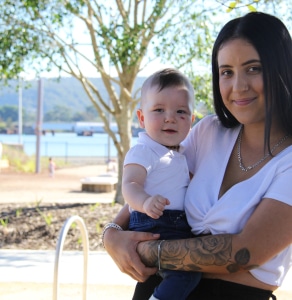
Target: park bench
[(99, 184)]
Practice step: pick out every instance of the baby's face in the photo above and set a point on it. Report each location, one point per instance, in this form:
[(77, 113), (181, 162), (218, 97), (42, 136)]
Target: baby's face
[(167, 115)]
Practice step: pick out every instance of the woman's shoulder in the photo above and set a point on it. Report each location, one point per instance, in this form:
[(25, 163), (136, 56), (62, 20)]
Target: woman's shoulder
[(209, 132), (209, 121), (207, 125)]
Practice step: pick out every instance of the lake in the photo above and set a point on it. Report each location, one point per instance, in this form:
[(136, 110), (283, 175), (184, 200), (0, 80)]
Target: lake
[(65, 144)]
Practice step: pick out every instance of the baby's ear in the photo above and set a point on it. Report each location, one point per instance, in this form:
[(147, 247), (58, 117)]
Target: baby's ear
[(140, 116), (193, 118)]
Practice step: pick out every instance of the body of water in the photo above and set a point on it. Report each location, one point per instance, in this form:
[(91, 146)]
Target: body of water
[(65, 144)]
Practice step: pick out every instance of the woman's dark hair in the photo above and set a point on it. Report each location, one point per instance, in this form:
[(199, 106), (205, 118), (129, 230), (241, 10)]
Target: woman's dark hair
[(270, 37)]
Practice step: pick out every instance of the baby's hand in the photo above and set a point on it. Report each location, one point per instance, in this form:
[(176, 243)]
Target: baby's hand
[(154, 206)]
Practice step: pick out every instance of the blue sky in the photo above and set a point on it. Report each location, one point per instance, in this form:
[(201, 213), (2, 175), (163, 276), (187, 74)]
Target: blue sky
[(90, 71)]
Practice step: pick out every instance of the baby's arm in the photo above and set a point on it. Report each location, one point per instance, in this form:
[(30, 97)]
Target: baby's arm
[(134, 177)]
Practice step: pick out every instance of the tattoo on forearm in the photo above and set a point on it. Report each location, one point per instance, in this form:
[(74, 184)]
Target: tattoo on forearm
[(207, 251), (194, 254), (242, 258), (148, 253)]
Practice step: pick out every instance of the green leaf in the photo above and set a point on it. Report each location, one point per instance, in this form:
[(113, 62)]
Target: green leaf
[(251, 8), (231, 6)]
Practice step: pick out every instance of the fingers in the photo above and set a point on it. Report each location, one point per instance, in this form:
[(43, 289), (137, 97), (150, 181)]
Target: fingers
[(137, 270), (155, 205), (127, 258), (132, 264), (146, 236)]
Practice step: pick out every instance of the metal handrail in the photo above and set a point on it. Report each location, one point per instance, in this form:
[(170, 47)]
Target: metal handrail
[(59, 250)]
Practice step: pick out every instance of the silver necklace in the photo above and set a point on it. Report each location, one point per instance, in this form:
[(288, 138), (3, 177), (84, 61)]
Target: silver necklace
[(245, 169)]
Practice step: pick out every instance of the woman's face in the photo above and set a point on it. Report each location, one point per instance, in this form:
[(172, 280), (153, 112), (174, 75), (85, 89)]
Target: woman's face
[(241, 81)]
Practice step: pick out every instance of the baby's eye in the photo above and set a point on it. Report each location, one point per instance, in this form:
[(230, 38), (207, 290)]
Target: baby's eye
[(158, 110), (181, 111)]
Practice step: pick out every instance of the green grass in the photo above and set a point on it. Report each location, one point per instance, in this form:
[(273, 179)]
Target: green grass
[(21, 162)]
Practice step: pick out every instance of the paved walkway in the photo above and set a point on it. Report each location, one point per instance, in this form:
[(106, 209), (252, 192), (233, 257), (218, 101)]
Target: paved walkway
[(29, 275), (65, 187)]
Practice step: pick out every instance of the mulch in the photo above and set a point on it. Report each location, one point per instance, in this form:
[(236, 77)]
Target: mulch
[(26, 226)]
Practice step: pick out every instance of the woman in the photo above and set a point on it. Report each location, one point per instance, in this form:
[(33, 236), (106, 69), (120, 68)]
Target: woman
[(240, 199)]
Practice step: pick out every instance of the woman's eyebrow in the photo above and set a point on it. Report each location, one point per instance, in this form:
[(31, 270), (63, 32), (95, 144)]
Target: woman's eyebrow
[(251, 61)]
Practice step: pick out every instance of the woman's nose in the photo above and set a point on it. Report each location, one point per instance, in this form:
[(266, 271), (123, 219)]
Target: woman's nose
[(240, 83)]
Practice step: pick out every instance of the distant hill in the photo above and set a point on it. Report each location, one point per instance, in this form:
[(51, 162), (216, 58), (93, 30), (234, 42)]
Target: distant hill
[(67, 92)]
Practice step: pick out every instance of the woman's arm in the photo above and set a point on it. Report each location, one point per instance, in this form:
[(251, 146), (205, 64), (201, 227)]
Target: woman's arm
[(267, 232), (122, 245)]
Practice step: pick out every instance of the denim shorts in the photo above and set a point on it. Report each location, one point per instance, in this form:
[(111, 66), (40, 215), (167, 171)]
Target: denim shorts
[(171, 225)]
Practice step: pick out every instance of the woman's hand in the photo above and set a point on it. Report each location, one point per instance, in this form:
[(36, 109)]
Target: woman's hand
[(122, 246)]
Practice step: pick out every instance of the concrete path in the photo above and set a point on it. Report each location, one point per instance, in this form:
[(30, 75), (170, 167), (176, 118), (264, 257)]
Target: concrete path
[(65, 187), (29, 275)]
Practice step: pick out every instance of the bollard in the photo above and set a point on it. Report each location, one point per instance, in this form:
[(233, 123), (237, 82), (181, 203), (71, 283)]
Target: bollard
[(59, 250)]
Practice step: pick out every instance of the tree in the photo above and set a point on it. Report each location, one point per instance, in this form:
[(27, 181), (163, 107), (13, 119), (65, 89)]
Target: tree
[(59, 113), (116, 38), (9, 112)]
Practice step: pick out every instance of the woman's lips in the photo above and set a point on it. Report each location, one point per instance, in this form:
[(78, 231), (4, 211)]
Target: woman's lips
[(243, 102)]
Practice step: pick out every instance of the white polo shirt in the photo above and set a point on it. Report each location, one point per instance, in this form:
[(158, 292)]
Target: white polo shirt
[(167, 170)]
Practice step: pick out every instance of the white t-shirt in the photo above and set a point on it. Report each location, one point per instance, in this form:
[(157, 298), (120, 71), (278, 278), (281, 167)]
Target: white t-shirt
[(167, 170), (208, 148)]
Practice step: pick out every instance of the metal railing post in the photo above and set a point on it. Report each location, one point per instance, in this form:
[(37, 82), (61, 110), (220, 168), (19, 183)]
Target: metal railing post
[(59, 250)]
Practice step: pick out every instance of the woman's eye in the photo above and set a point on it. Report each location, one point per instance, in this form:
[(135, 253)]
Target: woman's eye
[(255, 69), (226, 72)]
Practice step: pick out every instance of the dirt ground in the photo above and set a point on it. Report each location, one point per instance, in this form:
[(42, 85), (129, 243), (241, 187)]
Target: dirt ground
[(34, 207), (38, 227)]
